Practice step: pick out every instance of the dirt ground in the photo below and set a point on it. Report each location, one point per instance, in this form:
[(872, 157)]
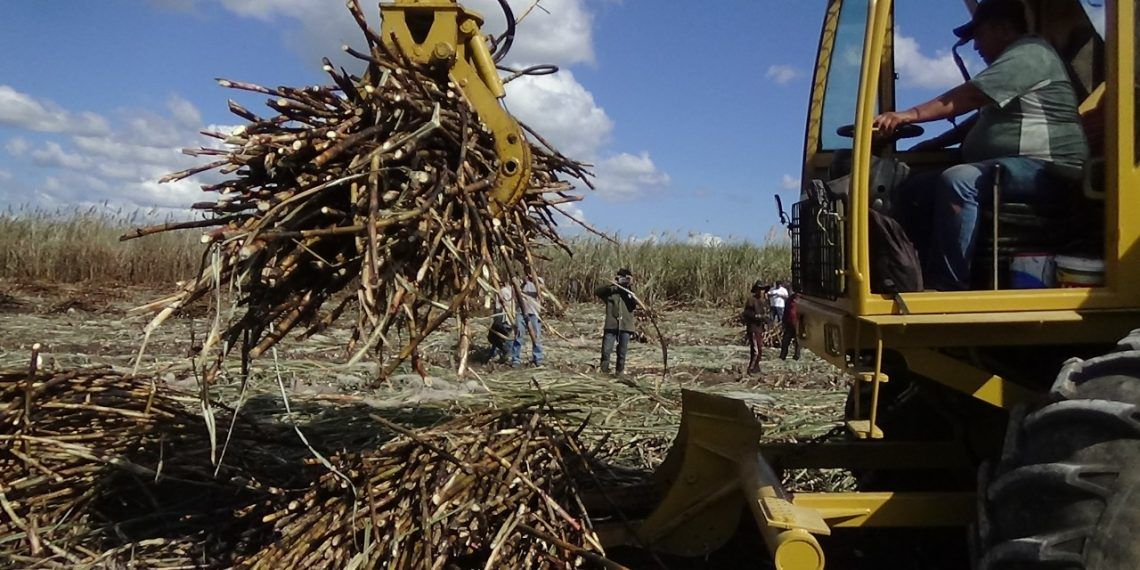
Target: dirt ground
[(634, 419), (80, 325)]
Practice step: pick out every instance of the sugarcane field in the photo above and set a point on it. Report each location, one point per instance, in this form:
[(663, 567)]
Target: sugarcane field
[(116, 462), (376, 345)]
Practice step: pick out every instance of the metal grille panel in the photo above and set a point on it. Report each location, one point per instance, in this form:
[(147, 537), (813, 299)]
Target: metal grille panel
[(817, 248)]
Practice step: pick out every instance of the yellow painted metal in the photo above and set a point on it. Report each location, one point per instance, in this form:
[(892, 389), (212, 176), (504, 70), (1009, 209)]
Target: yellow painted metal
[(863, 429), (823, 329), (714, 469), (819, 86), (866, 107), (869, 377), (1122, 229), (963, 377), (1011, 328), (1008, 300), (875, 383), (919, 509), (449, 35)]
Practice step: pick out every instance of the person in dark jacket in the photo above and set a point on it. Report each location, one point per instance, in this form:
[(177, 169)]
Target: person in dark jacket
[(790, 322), (755, 321), (620, 323)]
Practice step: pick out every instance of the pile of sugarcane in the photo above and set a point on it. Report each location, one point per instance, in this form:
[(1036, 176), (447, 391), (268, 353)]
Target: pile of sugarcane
[(370, 194), (98, 468), (493, 490)]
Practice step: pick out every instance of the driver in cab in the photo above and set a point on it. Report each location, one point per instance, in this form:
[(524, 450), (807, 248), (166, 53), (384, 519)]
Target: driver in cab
[(1027, 124)]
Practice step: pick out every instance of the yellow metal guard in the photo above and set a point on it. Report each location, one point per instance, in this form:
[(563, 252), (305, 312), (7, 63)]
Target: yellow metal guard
[(715, 468)]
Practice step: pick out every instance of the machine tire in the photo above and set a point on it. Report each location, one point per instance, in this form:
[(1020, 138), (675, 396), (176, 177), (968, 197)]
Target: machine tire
[(1066, 492)]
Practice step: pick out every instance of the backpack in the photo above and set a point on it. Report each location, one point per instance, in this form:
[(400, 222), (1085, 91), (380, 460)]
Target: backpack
[(895, 267)]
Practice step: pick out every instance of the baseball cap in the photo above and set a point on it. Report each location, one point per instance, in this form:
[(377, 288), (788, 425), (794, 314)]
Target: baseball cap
[(1011, 10)]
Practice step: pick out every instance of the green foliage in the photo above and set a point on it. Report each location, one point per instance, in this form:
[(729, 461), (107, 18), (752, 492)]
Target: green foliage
[(83, 246), (70, 246), (671, 271)]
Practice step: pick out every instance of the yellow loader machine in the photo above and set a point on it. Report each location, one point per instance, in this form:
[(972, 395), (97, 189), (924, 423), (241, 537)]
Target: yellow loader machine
[(1001, 422)]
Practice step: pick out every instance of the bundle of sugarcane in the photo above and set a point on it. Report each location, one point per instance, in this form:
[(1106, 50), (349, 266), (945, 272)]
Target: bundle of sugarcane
[(376, 185), (97, 467), (493, 490)]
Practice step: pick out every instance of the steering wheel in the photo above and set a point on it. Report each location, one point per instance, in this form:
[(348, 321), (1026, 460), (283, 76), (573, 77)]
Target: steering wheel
[(907, 131)]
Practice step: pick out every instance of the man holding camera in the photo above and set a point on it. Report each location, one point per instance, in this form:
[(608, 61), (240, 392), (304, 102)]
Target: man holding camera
[(620, 323)]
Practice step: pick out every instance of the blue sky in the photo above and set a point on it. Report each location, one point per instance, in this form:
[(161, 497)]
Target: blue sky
[(692, 112)]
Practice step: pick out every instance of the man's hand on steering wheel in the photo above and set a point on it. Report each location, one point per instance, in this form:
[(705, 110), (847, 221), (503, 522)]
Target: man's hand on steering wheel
[(899, 131), (886, 123)]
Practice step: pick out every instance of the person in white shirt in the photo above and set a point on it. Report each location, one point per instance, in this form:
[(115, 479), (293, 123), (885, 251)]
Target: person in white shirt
[(777, 296), (528, 323)]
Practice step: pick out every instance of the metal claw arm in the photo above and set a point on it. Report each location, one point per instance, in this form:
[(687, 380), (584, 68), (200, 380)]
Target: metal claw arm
[(441, 32)]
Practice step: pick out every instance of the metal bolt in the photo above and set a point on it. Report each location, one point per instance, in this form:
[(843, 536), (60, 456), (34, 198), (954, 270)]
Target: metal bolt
[(443, 50)]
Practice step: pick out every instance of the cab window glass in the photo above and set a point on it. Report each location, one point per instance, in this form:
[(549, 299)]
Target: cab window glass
[(843, 74)]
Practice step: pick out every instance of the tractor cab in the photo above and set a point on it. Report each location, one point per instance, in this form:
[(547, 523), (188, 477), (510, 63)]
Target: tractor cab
[(1069, 261), (940, 379)]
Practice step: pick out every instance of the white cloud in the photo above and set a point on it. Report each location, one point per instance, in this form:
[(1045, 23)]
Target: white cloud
[(627, 177), (119, 165), (782, 74), (572, 210), (124, 150), (5, 175), (184, 112), (556, 31), (23, 111), (53, 155), (121, 157), (916, 69), (704, 239), (562, 111), (556, 106), (789, 182), (16, 146)]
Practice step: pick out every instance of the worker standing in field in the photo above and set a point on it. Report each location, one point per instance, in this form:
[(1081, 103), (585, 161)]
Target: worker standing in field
[(528, 323), (777, 296), (755, 317), (502, 330), (620, 323), (789, 324)]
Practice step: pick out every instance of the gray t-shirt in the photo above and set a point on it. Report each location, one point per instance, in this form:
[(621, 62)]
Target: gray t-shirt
[(1032, 110), (531, 299)]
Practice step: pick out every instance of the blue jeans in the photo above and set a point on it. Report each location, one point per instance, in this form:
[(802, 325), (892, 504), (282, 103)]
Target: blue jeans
[(534, 324), (939, 211), (609, 338)]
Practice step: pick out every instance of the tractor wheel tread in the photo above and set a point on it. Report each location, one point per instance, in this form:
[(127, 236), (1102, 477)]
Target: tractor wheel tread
[(1121, 417), (1055, 477), (1065, 493), (1057, 550)]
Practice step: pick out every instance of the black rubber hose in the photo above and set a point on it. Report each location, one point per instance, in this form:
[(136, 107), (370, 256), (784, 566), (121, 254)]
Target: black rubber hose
[(503, 45)]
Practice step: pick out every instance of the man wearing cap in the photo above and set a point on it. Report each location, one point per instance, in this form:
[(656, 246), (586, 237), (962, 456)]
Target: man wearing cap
[(1027, 123), (755, 319), (620, 323)]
